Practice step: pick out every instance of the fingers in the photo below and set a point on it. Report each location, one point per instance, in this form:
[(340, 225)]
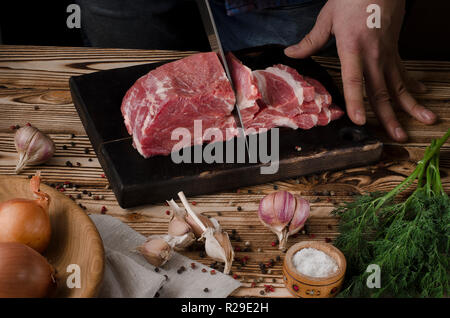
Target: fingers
[(379, 98), (352, 78), (313, 41), (411, 83), (404, 99)]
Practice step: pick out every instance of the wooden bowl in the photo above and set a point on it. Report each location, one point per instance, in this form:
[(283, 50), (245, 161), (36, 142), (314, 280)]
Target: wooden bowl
[(75, 239), (312, 287)]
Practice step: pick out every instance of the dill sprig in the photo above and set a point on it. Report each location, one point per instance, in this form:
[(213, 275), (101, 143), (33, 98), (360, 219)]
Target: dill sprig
[(409, 240)]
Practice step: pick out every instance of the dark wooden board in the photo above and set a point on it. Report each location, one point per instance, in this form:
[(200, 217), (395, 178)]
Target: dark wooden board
[(136, 180)]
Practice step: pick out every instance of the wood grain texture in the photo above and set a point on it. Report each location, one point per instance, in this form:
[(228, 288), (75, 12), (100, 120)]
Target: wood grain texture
[(75, 240), (38, 76)]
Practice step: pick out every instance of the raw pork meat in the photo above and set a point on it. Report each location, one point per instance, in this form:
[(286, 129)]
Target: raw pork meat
[(174, 95), (196, 88), (247, 93)]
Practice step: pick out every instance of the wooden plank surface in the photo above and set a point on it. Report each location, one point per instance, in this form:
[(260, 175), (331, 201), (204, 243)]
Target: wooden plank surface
[(34, 88)]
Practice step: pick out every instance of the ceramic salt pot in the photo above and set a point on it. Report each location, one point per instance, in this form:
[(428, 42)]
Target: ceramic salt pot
[(301, 285)]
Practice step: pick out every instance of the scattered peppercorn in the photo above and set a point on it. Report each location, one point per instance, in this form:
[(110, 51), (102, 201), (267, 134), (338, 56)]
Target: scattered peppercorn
[(328, 240), (29, 176), (72, 144), (36, 107), (78, 196), (275, 187), (90, 160), (69, 164), (86, 150), (156, 269), (278, 258), (78, 164), (204, 270), (202, 254), (261, 292), (239, 208), (206, 290), (157, 295)]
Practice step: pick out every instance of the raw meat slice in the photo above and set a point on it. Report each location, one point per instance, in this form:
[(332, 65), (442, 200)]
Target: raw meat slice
[(322, 98), (246, 87), (305, 90), (329, 114), (173, 96), (270, 117), (306, 121), (277, 92)]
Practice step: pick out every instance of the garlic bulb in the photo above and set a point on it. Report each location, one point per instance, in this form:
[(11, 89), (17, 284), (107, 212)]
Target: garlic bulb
[(217, 242), (283, 213), (156, 251), (34, 147)]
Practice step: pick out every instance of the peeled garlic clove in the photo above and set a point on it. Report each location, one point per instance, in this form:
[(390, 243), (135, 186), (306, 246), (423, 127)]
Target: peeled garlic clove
[(218, 247), (156, 251), (33, 147), (284, 214), (301, 214)]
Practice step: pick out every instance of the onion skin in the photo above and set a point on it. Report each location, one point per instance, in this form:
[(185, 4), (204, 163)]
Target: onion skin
[(24, 273), (27, 221)]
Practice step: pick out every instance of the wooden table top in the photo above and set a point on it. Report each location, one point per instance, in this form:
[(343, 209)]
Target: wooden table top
[(38, 76)]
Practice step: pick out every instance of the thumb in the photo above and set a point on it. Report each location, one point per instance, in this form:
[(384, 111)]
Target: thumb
[(313, 41)]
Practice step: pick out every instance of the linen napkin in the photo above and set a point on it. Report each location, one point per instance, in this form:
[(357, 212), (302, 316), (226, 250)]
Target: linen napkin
[(128, 274)]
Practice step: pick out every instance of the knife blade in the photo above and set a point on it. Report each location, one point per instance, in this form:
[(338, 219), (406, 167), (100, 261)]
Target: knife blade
[(216, 46)]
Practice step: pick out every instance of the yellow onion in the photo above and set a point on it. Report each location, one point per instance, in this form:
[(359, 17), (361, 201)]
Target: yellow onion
[(24, 273), (27, 221)]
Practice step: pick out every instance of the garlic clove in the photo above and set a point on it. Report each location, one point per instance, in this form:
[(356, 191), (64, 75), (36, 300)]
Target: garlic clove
[(301, 214), (180, 243), (196, 228), (156, 251), (33, 147), (218, 247), (178, 226), (284, 214)]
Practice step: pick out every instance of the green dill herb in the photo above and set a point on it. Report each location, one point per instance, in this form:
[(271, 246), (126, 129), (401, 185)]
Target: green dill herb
[(409, 240)]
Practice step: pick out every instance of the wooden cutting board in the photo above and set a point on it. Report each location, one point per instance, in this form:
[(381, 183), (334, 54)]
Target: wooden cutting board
[(136, 180)]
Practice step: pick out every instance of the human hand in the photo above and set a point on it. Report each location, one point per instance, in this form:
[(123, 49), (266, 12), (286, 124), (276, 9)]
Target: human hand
[(371, 54)]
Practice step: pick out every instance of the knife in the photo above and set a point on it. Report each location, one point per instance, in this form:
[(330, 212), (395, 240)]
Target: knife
[(216, 46)]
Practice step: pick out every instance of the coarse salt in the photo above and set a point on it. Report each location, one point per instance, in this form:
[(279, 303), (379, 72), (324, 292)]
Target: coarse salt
[(312, 262)]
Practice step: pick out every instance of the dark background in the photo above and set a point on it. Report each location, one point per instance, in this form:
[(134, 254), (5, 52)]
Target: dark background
[(425, 34)]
